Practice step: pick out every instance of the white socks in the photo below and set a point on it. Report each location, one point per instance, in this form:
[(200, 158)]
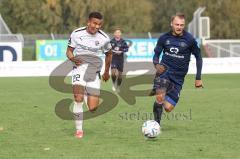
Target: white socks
[(85, 99), (78, 114)]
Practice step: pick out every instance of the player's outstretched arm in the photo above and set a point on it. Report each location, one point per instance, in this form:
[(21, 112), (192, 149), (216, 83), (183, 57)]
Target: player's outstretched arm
[(199, 62), (108, 59), (198, 81)]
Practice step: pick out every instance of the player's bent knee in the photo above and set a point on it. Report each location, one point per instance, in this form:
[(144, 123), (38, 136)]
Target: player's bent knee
[(92, 109), (113, 72), (159, 98), (78, 98), (168, 108), (93, 102)]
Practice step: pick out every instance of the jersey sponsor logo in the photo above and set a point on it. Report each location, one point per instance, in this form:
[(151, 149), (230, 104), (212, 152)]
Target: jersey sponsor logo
[(175, 55), (89, 48), (85, 37), (174, 50), (106, 46)]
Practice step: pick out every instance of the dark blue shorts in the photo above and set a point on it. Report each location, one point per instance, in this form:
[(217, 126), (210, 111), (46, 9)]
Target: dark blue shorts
[(117, 65), (173, 88)]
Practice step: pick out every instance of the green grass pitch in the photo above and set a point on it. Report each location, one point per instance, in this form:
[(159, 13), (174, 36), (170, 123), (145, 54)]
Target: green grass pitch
[(205, 124)]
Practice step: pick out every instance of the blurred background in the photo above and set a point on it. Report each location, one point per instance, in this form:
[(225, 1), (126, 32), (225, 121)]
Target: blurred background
[(39, 30), (33, 42)]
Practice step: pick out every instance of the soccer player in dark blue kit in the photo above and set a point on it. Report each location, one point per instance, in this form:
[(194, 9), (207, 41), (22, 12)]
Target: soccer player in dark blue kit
[(119, 47), (176, 47)]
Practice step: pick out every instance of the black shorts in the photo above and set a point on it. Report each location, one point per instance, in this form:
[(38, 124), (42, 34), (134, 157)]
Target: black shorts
[(167, 80), (117, 65)]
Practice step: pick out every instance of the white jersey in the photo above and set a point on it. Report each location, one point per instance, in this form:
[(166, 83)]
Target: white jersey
[(88, 44), (89, 49)]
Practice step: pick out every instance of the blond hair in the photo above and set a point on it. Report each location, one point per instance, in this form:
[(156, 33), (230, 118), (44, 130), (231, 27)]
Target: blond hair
[(178, 14)]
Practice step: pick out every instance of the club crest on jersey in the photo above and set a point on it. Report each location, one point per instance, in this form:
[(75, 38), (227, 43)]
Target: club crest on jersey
[(97, 43), (183, 44), (168, 42)]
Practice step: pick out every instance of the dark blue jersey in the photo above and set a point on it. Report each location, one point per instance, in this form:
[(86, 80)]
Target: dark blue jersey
[(118, 48), (177, 52)]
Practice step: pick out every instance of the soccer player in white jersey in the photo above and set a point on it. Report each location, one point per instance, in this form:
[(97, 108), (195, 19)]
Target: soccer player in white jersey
[(85, 46)]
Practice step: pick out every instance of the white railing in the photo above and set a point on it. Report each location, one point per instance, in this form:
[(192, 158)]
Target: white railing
[(45, 68), (222, 48)]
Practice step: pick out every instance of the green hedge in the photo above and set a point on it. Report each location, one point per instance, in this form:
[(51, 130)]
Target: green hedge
[(29, 54)]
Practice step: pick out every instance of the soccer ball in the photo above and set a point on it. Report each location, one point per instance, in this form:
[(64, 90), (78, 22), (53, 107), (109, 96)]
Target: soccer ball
[(151, 129)]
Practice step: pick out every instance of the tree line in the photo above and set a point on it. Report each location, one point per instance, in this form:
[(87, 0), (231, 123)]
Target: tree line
[(133, 16)]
